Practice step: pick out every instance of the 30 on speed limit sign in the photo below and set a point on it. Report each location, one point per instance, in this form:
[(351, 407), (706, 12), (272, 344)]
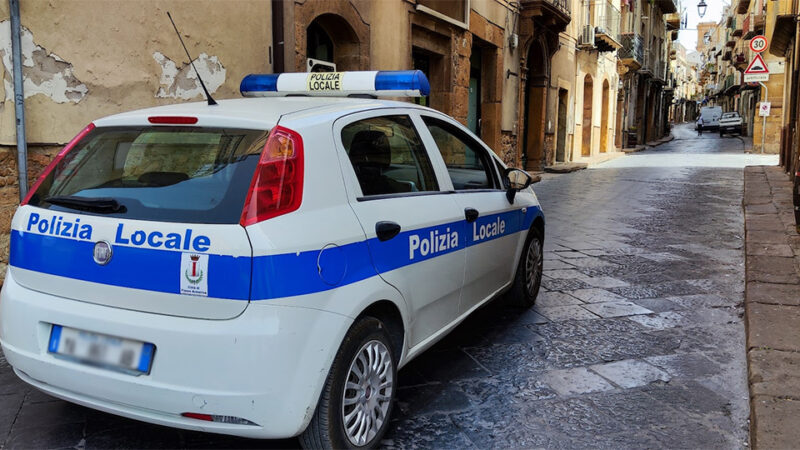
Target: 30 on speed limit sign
[(758, 44)]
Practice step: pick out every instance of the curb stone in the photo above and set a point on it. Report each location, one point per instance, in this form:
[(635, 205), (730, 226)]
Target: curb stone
[(772, 308)]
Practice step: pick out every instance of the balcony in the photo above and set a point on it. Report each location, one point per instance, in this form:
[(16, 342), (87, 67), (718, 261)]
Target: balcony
[(753, 25), (743, 6), (660, 72), (668, 6), (604, 17), (554, 13), (759, 22), (727, 55), (632, 51), (737, 27), (739, 61), (673, 21), (653, 66)]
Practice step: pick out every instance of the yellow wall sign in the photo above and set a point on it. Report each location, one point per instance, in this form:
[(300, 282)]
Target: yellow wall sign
[(324, 81)]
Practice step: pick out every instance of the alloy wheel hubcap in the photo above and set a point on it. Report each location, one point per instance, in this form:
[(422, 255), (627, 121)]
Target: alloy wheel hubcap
[(533, 265), (367, 393)]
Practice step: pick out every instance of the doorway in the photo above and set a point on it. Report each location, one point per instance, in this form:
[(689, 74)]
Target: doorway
[(561, 136), (604, 119), (535, 107), (474, 101), (588, 94)]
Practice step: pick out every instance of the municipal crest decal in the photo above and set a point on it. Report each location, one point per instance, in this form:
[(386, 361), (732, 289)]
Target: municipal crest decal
[(194, 274)]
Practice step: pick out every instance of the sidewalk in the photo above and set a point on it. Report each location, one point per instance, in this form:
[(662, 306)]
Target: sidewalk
[(772, 308)]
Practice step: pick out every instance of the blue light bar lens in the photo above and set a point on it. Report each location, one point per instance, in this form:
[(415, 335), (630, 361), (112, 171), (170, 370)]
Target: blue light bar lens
[(259, 83), (399, 80)]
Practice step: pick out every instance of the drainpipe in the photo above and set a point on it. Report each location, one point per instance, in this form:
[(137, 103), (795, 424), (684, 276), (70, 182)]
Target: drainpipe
[(19, 100)]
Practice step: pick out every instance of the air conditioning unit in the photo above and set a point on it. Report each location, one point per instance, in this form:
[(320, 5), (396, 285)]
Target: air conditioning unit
[(587, 37), (318, 65)]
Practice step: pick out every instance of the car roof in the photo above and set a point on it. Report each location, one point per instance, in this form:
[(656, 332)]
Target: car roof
[(257, 113)]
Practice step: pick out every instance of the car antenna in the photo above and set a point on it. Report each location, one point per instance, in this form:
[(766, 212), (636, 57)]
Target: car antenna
[(211, 101)]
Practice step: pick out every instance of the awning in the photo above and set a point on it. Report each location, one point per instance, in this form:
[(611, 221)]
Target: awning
[(783, 34)]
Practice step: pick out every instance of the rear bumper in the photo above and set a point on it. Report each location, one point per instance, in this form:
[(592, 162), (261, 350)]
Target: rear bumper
[(267, 366)]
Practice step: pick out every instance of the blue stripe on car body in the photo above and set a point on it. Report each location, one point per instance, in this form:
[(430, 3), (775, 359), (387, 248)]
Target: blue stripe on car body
[(273, 276)]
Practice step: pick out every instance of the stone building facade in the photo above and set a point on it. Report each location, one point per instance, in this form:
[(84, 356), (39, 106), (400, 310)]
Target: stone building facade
[(726, 55)]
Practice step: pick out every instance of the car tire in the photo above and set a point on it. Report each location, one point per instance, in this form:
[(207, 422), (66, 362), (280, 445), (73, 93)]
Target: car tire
[(720, 133), (528, 278), (366, 350)]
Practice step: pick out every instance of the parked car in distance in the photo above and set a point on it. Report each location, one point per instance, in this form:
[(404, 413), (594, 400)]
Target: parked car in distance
[(710, 116), (730, 122)]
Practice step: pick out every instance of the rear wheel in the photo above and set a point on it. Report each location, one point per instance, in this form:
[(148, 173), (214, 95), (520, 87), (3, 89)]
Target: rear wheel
[(529, 271), (356, 402)]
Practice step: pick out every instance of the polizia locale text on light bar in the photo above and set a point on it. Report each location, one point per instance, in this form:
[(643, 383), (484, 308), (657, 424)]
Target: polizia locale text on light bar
[(385, 83)]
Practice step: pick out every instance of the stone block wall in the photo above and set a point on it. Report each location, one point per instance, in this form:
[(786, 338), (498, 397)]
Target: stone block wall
[(38, 158)]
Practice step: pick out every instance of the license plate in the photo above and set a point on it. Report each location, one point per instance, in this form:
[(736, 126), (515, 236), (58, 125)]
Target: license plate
[(101, 350)]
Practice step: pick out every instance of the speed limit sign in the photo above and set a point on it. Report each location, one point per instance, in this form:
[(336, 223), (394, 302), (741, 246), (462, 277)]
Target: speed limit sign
[(758, 44)]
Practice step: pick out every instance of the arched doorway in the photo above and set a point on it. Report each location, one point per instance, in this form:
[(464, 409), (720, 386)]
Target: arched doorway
[(604, 124), (330, 37), (535, 109), (586, 125)]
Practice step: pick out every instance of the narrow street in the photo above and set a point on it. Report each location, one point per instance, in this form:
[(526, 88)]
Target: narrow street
[(637, 339)]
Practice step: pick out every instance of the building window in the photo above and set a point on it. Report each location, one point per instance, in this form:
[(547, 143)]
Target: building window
[(422, 61)]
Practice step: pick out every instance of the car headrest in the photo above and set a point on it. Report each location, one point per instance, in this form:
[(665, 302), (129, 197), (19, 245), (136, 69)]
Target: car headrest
[(370, 147)]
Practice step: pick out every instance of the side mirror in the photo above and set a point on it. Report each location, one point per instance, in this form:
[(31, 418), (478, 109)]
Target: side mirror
[(516, 180)]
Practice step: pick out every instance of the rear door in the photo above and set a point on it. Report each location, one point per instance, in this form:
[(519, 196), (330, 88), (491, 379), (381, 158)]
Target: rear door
[(492, 222), (171, 245), (414, 227)]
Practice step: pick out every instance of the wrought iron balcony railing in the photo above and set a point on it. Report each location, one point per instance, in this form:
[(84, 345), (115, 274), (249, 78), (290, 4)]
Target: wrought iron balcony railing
[(632, 51), (605, 18)]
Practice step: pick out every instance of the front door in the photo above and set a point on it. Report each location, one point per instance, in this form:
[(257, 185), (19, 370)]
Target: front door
[(491, 221), (414, 228)]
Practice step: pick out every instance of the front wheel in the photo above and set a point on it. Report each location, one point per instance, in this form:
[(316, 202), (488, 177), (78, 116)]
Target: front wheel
[(356, 402), (529, 271)]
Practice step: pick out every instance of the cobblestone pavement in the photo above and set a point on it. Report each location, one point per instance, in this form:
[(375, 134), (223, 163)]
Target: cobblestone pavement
[(637, 338)]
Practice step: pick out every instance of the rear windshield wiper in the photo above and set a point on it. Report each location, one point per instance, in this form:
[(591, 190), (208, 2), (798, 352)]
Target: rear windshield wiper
[(103, 205)]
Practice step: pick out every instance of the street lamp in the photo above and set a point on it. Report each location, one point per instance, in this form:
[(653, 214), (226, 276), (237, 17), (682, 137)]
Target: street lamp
[(701, 8)]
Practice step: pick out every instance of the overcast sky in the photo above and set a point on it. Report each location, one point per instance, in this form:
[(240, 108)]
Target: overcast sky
[(688, 38)]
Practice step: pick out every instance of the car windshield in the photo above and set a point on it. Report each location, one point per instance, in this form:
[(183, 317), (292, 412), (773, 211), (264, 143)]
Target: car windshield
[(170, 174), (730, 115)]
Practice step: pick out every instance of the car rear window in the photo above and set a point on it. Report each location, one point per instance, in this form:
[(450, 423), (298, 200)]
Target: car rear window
[(169, 174)]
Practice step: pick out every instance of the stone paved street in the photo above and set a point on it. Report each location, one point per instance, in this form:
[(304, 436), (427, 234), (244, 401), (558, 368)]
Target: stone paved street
[(637, 339)]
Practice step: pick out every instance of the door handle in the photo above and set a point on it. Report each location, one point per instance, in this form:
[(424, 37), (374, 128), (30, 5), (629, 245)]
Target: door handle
[(471, 214), (386, 230)]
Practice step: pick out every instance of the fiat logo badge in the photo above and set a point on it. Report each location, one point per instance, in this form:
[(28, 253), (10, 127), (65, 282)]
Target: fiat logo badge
[(102, 252)]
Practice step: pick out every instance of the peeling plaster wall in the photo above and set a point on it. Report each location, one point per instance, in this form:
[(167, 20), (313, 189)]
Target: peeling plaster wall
[(42, 73), (182, 83), (87, 59)]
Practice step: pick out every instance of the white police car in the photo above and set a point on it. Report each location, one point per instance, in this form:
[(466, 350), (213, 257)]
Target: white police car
[(262, 267)]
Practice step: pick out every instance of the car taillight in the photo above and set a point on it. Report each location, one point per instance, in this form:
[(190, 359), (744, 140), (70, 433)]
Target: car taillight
[(57, 160), (172, 120), (277, 185)]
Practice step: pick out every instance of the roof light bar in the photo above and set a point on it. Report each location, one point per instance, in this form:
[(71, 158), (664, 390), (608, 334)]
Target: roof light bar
[(388, 83)]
